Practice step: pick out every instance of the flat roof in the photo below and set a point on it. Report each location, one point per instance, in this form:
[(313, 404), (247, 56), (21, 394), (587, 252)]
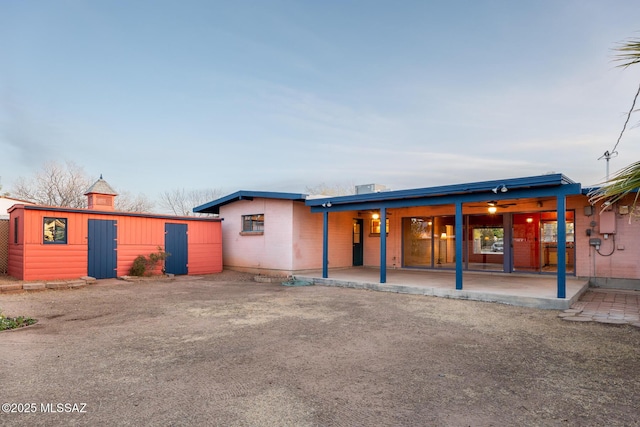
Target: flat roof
[(215, 205), (511, 188)]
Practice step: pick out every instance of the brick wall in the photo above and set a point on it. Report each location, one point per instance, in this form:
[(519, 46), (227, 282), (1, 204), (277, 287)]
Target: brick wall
[(4, 245)]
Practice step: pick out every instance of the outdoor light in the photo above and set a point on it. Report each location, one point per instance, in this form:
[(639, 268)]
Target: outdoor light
[(326, 205), (503, 189), (375, 216), (492, 209), (529, 220)]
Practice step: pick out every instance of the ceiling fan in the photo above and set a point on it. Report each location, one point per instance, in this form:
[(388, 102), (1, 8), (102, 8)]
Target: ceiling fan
[(493, 203)]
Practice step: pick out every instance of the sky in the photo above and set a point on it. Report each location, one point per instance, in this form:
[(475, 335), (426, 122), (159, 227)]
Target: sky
[(158, 95)]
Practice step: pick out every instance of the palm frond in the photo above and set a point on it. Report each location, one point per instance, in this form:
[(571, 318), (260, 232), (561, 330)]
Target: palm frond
[(628, 53), (623, 183)]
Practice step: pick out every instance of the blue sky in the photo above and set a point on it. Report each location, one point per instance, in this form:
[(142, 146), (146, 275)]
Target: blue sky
[(283, 95)]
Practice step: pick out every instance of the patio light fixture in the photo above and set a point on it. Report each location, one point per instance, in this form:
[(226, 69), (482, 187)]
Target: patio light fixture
[(492, 209), (502, 188)]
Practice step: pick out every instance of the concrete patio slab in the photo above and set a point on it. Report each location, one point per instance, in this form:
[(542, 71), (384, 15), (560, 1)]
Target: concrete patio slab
[(536, 291)]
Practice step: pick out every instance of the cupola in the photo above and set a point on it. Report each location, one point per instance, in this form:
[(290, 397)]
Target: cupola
[(100, 196)]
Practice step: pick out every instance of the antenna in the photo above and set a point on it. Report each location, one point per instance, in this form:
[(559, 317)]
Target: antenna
[(608, 156)]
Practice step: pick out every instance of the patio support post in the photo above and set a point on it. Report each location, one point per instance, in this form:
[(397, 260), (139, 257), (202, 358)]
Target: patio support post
[(562, 246), (325, 245), (459, 241), (383, 245)]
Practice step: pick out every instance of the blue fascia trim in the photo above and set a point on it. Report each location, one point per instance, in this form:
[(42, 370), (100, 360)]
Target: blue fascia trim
[(468, 188), (566, 189), (214, 206)]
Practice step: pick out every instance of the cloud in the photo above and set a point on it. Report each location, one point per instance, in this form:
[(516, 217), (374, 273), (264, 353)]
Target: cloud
[(23, 134)]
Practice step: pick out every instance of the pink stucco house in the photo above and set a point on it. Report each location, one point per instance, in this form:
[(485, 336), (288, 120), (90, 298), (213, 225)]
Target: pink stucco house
[(534, 225)]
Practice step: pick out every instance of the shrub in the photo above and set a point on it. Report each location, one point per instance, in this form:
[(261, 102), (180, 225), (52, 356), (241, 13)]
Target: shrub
[(139, 266), (145, 265), (15, 322)]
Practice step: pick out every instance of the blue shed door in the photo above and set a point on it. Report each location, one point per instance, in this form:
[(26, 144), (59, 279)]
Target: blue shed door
[(175, 243), (102, 249)]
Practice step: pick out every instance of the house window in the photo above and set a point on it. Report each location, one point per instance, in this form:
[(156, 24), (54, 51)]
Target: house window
[(253, 223), (488, 240), (375, 226), (55, 230)]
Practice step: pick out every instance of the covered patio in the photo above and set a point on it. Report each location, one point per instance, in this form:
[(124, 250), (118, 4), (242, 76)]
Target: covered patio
[(446, 219), (526, 290)]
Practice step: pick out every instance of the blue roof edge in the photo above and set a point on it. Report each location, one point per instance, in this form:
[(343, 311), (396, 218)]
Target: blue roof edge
[(214, 206), (465, 188)]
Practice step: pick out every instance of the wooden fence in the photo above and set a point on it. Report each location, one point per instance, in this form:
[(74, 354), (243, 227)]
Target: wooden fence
[(4, 245)]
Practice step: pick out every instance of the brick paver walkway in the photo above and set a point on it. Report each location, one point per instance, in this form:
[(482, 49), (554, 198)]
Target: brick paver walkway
[(606, 306)]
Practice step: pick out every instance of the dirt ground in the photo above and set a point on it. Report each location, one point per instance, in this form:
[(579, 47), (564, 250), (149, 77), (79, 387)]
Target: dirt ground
[(224, 350)]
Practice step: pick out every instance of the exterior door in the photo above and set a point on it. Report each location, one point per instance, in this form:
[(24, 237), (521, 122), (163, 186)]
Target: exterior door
[(526, 242), (176, 244), (358, 247), (102, 249)]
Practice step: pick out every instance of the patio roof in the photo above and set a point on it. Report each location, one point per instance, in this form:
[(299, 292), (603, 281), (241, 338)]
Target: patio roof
[(533, 186), (551, 185), (215, 205)]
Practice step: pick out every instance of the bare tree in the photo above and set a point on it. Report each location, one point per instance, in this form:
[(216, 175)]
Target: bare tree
[(126, 202), (65, 184), (6, 193), (55, 185), (181, 202), (345, 189)]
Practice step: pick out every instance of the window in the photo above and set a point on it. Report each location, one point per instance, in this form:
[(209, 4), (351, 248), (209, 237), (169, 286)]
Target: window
[(253, 223), (375, 226), (15, 230), (487, 240), (55, 230), (417, 239)]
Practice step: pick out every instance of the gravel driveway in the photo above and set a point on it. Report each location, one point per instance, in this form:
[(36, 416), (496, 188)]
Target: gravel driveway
[(224, 350)]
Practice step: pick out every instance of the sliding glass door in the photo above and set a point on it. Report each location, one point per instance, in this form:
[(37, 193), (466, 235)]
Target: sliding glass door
[(535, 242), (485, 248)]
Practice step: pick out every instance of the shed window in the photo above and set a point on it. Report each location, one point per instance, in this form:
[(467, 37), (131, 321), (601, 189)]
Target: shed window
[(55, 230), (15, 230), (253, 223)]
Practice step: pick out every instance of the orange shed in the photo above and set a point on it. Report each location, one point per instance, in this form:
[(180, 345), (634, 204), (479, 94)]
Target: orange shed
[(47, 243)]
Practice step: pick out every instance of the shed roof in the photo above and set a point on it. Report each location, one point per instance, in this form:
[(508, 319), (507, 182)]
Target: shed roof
[(215, 205), (101, 187), (110, 213)]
